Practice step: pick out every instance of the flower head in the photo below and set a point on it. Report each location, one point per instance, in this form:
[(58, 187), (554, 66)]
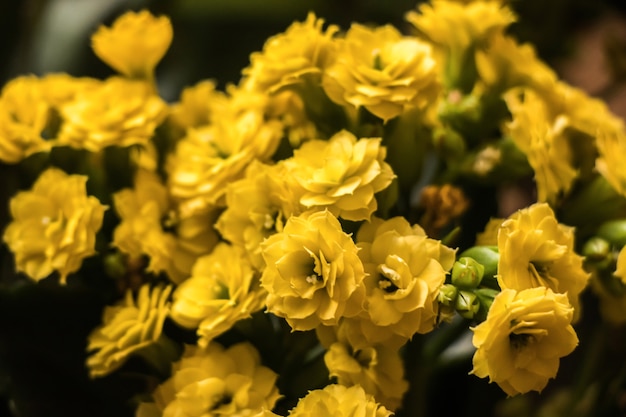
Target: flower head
[(130, 325), (521, 342), (134, 44), (215, 381), (382, 71), (119, 112), (611, 145), (223, 288), (341, 174), (54, 225), (339, 401), (313, 274), (537, 251)]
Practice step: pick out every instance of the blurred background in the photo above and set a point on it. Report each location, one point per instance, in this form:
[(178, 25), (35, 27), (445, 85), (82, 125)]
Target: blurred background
[(43, 327)]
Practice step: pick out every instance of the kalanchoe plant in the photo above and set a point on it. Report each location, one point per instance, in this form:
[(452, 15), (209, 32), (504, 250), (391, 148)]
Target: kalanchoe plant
[(316, 239)]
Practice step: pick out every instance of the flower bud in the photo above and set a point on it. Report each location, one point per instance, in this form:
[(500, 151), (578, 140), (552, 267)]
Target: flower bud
[(467, 273), (614, 231), (467, 304), (485, 297), (596, 250), (447, 294), (488, 257)]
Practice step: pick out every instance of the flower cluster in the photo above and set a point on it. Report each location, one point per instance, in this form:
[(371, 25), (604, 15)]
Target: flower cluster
[(320, 216)]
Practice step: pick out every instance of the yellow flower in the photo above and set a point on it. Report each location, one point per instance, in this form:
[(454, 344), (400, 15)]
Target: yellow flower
[(214, 382), (223, 288), (59, 89), (119, 112), (341, 174), (212, 156), (537, 251), (54, 225), (134, 44), (142, 210), (489, 236), (257, 206), (339, 401), (442, 205), (378, 370), (542, 138), (196, 105), (383, 71), (24, 116), (313, 274), (305, 49), (404, 272), (127, 327), (521, 342), (611, 145)]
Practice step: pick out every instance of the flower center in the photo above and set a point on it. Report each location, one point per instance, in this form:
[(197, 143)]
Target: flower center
[(387, 285), (520, 340)]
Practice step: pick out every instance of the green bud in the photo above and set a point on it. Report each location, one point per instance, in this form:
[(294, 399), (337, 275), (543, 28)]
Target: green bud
[(467, 273), (488, 257), (449, 143), (115, 265), (614, 232), (467, 304), (485, 297), (447, 294), (596, 249)]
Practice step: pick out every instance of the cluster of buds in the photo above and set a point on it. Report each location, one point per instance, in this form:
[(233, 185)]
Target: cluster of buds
[(472, 284)]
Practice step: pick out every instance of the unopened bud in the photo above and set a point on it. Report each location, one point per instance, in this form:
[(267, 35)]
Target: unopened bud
[(467, 304), (488, 257), (467, 273), (447, 294)]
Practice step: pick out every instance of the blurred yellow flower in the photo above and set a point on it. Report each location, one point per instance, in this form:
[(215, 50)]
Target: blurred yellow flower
[(223, 289), (212, 156), (119, 112), (215, 382), (382, 71), (489, 236), (134, 44), (257, 206), (196, 105), (404, 272), (127, 327), (54, 225), (339, 401), (341, 174), (379, 370), (145, 210), (611, 145), (537, 251), (520, 344), (305, 49), (313, 274), (24, 116)]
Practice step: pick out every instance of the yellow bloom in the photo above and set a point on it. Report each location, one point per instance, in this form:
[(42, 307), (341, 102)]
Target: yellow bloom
[(537, 251), (313, 274), (338, 401), (257, 206), (141, 230), (305, 49), (341, 174), (59, 89), (212, 156), (383, 71), (134, 44), (127, 327), (54, 225), (214, 382), (119, 112), (378, 370), (489, 236), (404, 272), (521, 342), (196, 105), (223, 288), (611, 145), (542, 138), (24, 116)]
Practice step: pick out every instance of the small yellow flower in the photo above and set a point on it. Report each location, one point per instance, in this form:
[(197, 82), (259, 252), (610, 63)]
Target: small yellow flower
[(339, 401), (537, 251), (305, 49), (611, 145), (119, 112), (223, 288), (215, 382), (313, 274), (404, 272), (127, 327), (196, 105), (378, 370), (383, 71), (134, 44), (341, 174), (24, 116), (54, 225), (520, 344)]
